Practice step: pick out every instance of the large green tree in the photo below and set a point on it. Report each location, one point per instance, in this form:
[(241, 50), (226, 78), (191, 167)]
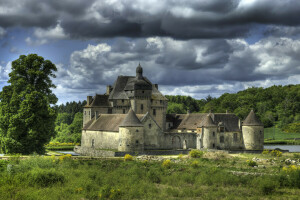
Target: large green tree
[(27, 118)]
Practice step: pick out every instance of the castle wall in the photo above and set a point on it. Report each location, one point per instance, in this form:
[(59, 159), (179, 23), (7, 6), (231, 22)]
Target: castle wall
[(231, 140), (209, 138), (100, 139), (152, 133), (253, 137), (131, 139), (178, 141)]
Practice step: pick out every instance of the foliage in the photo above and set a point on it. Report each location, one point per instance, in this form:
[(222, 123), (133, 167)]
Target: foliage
[(26, 116), (276, 105), (195, 153), (39, 177), (195, 164), (166, 164), (275, 153), (251, 163), (128, 157), (46, 177)]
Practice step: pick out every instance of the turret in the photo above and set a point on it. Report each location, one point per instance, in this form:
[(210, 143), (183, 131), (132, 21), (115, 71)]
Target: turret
[(253, 132), (209, 133), (131, 133)]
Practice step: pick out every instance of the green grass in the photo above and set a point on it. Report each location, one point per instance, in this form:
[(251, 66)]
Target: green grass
[(278, 134), (209, 177)]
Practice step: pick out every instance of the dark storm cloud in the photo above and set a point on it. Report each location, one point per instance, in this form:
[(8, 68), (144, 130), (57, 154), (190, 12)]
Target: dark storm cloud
[(176, 19)]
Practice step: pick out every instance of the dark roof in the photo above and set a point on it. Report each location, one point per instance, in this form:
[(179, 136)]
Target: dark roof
[(118, 87), (194, 120), (252, 120), (107, 122), (131, 120), (230, 121), (207, 122), (99, 101)]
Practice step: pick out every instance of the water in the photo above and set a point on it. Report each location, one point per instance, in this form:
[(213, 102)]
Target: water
[(291, 148), (69, 152)]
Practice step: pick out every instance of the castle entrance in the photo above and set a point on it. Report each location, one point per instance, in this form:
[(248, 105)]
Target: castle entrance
[(176, 142)]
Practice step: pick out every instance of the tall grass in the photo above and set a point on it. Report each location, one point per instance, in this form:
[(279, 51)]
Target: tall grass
[(53, 178)]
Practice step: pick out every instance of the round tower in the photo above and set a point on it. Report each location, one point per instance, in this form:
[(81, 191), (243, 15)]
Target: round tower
[(131, 133), (253, 132), (209, 133)]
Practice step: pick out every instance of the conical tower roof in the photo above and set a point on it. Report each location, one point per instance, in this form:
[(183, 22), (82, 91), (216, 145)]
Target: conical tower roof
[(207, 122), (252, 120), (131, 120)]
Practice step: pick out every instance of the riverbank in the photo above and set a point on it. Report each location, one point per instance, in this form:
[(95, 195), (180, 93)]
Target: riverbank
[(215, 175)]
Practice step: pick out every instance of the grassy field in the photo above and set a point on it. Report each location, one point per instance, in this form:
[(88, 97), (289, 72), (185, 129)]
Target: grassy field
[(276, 136), (214, 176)]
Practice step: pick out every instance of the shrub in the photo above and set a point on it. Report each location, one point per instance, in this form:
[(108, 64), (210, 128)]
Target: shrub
[(265, 151), (195, 153), (46, 178), (276, 153), (251, 163), (195, 164), (128, 157), (65, 157), (166, 164)]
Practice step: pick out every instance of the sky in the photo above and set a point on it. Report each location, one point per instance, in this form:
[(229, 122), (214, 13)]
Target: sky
[(188, 47)]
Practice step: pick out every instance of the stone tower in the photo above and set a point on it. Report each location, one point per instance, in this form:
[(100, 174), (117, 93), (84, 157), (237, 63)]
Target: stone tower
[(131, 133), (253, 132), (209, 133), (139, 91)]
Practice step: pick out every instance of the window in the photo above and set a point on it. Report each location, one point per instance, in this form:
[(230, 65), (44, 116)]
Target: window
[(235, 137), (221, 129), (150, 125), (93, 142), (143, 91), (154, 112), (142, 106), (122, 100), (123, 111), (84, 112), (109, 111), (222, 139), (213, 145), (136, 130), (214, 134), (160, 101), (137, 142), (151, 100)]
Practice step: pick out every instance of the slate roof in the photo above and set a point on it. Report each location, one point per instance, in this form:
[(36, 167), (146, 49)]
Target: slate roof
[(124, 83), (107, 122), (194, 120), (131, 120), (252, 120), (99, 101), (207, 122)]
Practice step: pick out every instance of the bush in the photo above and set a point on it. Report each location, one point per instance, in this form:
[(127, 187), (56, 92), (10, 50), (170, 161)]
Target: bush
[(267, 185), (251, 163), (276, 153), (195, 164), (128, 157), (195, 153), (46, 178), (166, 164)]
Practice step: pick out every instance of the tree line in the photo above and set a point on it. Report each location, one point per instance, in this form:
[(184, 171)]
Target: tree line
[(276, 105)]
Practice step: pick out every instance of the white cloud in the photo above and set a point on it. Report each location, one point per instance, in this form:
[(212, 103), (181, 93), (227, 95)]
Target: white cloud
[(2, 32), (4, 71), (44, 36)]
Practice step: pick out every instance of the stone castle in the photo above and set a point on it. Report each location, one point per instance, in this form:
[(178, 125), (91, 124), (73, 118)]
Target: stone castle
[(131, 117)]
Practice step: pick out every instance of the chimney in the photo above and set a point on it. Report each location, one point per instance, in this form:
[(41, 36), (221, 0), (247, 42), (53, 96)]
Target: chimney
[(89, 100), (156, 85), (108, 89)]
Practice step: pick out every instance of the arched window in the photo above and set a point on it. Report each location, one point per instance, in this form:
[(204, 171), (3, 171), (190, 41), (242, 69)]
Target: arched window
[(93, 143)]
